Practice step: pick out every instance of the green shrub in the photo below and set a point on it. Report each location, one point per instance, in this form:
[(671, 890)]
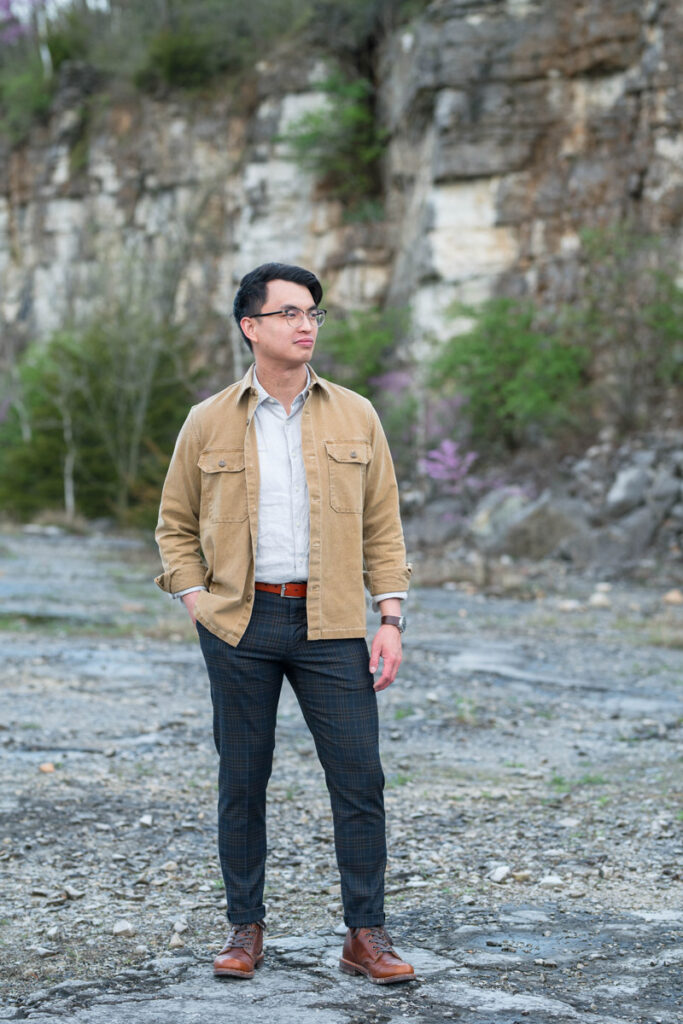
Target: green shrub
[(664, 317), (514, 377), (629, 312), (395, 398), (94, 420), (353, 349), (184, 59), (358, 352), (185, 43), (200, 39), (68, 38), (25, 96), (341, 144)]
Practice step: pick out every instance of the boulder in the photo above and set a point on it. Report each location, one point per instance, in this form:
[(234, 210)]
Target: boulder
[(628, 490), (494, 515), (676, 513), (512, 524), (542, 527), (617, 545), (665, 489), (437, 523), (454, 564), (643, 457), (639, 529)]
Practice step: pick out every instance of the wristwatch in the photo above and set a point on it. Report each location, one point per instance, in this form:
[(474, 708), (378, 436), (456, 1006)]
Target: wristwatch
[(394, 620)]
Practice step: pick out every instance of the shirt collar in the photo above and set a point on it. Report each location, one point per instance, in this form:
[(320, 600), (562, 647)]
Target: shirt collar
[(250, 381)]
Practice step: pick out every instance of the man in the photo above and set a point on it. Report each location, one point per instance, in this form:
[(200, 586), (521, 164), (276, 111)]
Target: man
[(279, 505)]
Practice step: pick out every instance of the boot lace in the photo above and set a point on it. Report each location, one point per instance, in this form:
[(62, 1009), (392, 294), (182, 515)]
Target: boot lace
[(243, 936), (378, 937)]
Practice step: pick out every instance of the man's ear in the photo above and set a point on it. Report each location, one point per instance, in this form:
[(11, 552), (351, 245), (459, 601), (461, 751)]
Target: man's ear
[(247, 325)]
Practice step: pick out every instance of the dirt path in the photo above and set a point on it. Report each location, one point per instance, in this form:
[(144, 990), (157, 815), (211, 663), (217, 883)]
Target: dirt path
[(532, 750)]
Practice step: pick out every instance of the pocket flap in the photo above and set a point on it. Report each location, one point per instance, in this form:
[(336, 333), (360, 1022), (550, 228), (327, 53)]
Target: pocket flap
[(349, 451), (221, 460)]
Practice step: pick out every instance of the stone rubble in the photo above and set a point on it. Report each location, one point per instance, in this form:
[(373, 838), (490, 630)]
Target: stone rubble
[(617, 511)]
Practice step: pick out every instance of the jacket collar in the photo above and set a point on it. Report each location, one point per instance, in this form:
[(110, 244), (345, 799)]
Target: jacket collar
[(247, 383)]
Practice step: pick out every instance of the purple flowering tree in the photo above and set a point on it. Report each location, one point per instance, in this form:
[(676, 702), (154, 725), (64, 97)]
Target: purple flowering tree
[(449, 467), (15, 20), (26, 20)]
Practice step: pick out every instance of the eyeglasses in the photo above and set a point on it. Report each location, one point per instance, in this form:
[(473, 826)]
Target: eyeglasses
[(295, 316)]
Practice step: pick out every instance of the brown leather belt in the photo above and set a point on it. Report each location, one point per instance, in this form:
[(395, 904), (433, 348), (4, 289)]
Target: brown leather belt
[(283, 589)]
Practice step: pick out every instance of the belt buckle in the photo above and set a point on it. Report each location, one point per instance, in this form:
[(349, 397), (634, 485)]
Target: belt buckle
[(283, 588)]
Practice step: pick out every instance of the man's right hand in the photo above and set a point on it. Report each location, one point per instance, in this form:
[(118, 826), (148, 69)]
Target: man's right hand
[(190, 600)]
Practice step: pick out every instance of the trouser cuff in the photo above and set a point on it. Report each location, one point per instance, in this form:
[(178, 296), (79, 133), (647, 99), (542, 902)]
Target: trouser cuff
[(368, 921), (247, 916)]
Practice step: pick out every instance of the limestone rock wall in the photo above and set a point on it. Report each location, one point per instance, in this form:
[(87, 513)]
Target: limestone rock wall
[(513, 123)]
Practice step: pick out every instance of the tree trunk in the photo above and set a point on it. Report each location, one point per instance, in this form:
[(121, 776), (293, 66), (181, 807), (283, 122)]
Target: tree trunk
[(69, 463), (39, 19)]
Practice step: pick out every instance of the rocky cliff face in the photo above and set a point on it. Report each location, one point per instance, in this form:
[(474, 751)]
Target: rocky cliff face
[(517, 124), (514, 123)]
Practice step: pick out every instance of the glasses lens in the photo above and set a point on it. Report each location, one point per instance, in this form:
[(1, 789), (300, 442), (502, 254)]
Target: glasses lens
[(295, 317)]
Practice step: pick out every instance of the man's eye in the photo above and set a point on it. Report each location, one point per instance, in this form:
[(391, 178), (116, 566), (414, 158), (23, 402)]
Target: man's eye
[(291, 314)]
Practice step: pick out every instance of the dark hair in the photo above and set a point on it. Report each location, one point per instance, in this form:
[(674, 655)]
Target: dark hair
[(251, 293)]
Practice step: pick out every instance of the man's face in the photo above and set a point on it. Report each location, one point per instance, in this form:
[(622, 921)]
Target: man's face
[(276, 341)]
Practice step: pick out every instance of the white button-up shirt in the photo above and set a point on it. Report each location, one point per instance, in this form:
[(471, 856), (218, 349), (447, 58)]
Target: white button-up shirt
[(283, 519)]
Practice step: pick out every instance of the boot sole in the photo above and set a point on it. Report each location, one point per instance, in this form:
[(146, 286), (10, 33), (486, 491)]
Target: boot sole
[(350, 968), (229, 972)]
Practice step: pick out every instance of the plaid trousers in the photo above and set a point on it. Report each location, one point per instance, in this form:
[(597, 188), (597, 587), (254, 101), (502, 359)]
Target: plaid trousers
[(333, 685)]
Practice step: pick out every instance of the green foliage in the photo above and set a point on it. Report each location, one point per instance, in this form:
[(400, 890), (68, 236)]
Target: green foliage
[(341, 144), (399, 415), (79, 153), (96, 415), (198, 40), (184, 58), (69, 38), (629, 313), (664, 317), (185, 44), (514, 377), (353, 351), (618, 349), (358, 351), (25, 95)]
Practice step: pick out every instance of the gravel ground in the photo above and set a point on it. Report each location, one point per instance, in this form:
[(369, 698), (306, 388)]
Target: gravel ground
[(532, 749)]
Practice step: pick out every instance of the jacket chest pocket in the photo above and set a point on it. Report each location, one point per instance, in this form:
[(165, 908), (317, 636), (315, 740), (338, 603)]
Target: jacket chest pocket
[(346, 463), (224, 485)]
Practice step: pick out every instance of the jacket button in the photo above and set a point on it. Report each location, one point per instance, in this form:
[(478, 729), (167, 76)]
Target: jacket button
[(354, 455), (221, 462)]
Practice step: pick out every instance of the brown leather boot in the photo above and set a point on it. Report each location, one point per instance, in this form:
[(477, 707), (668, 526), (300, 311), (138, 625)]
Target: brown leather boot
[(369, 951), (242, 952)]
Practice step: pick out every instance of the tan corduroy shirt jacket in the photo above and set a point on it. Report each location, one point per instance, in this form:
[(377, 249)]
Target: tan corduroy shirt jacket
[(208, 520)]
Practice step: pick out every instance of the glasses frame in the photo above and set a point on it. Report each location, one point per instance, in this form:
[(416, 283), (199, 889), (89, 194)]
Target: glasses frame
[(312, 316)]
